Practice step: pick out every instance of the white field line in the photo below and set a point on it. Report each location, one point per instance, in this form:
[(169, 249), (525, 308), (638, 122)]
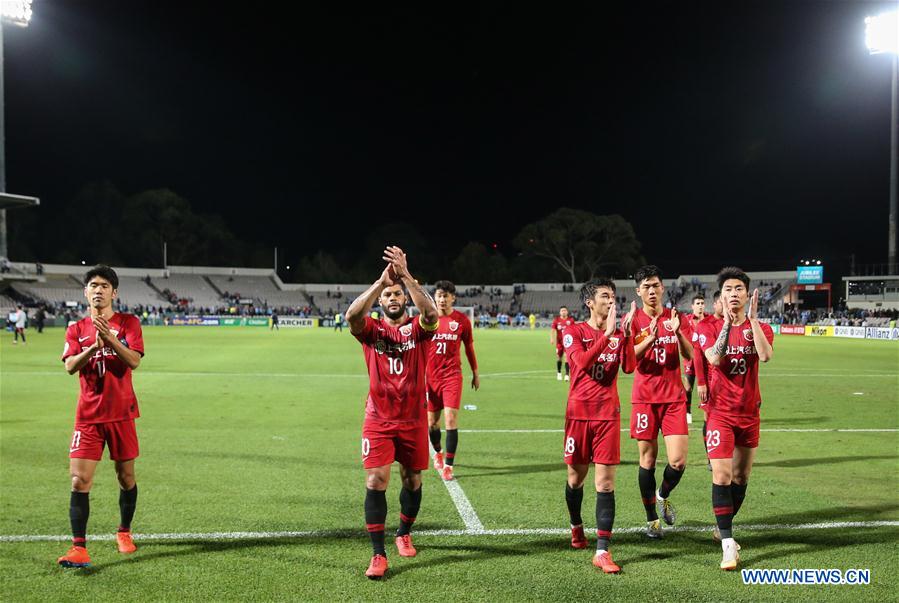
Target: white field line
[(203, 536), (626, 429), (463, 505)]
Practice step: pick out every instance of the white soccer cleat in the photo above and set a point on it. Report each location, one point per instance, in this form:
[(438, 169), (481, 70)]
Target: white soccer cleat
[(567, 378), (689, 419), (654, 529), (665, 509), (558, 375), (730, 557)]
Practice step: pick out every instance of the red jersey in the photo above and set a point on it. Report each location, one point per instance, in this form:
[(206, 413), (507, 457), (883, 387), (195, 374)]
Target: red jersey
[(657, 379), (107, 394), (706, 329), (560, 324), (396, 358), (734, 387), (444, 361), (594, 360)]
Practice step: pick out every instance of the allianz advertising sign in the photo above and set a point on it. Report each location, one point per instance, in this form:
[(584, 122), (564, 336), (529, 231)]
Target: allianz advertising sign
[(809, 275)]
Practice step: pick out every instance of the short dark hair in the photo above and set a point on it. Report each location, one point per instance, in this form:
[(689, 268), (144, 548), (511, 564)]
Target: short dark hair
[(731, 272), (645, 272), (588, 289), (717, 294), (699, 296), (563, 308), (446, 286), (104, 272)]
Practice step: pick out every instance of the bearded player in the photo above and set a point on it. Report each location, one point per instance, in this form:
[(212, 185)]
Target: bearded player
[(444, 377), (560, 323), (689, 324), (658, 401), (103, 349), (595, 349), (732, 435), (395, 426)]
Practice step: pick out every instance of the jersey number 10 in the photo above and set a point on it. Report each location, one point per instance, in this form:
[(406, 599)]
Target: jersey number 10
[(396, 366)]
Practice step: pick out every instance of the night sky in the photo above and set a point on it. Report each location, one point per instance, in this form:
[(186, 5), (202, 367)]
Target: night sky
[(754, 133)]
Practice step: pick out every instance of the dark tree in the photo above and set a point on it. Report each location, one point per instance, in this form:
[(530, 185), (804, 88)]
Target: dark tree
[(581, 243)]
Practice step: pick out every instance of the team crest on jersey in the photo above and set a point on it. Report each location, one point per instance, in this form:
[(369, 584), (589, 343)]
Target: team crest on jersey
[(406, 330), (453, 325), (695, 336), (668, 326), (702, 340), (747, 334), (567, 340), (613, 343)]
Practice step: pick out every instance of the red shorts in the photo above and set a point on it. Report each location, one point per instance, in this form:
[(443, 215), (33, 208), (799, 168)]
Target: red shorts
[(648, 419), (724, 433), (88, 440), (386, 441), (592, 441), (445, 393), (560, 351)]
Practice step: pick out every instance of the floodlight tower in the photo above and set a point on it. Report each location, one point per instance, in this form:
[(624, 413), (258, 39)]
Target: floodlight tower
[(18, 13), (882, 36)]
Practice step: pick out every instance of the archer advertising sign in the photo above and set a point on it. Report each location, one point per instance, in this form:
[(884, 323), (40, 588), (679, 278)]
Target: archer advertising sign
[(809, 275)]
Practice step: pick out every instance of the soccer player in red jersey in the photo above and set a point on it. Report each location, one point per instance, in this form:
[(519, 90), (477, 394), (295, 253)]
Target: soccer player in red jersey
[(103, 349), (560, 323), (689, 323), (395, 426), (658, 400), (444, 377), (733, 425), (706, 329), (595, 349)]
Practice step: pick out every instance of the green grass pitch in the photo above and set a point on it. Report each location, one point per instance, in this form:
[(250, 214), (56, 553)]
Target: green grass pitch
[(247, 430)]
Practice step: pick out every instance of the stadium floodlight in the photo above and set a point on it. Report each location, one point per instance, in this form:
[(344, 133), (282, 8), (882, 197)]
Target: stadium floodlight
[(882, 33), (882, 37), (16, 12)]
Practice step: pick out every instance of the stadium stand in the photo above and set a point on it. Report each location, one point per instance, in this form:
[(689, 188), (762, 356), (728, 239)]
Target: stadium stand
[(55, 289), (192, 287)]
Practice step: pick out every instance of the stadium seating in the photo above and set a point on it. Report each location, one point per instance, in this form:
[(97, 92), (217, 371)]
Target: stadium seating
[(193, 287), (56, 289)]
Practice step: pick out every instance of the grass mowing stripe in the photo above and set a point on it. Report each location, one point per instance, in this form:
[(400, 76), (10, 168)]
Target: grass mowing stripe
[(827, 525)]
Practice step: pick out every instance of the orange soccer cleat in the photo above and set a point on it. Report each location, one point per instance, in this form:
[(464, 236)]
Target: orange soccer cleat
[(404, 546), (124, 542), (447, 473), (604, 562), (578, 539), (76, 557), (438, 461), (377, 568)]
